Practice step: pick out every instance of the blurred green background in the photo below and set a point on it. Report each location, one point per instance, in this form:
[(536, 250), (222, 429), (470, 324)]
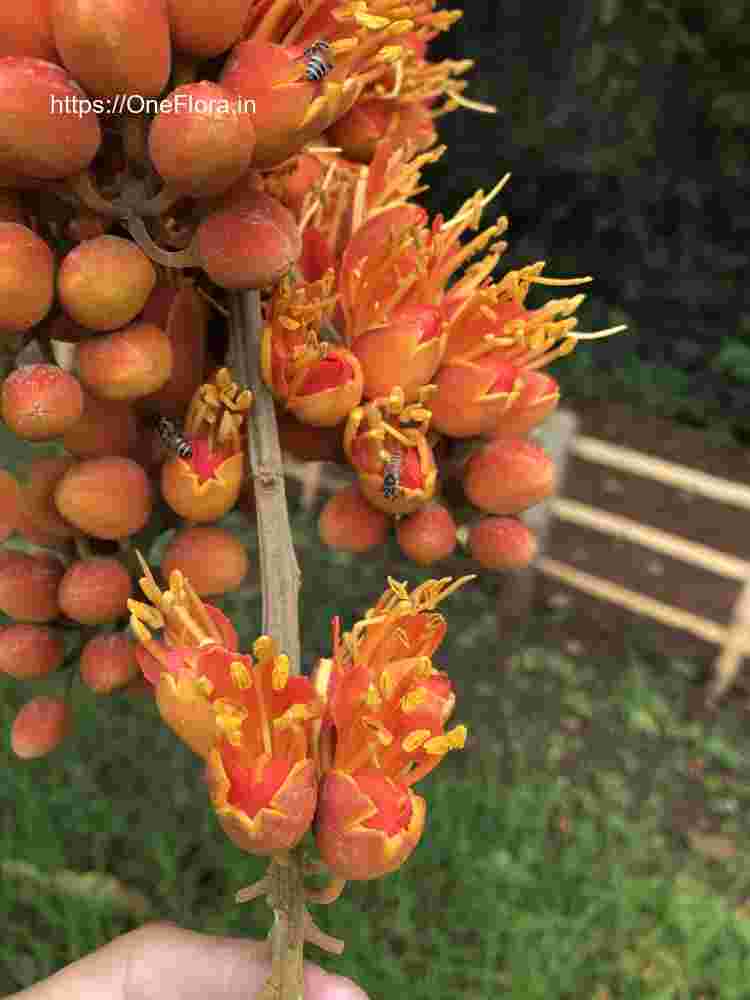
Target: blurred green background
[(590, 840)]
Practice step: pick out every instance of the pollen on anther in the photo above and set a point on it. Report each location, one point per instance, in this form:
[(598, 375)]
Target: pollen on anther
[(416, 739), (205, 686), (280, 674), (411, 701), (240, 675), (455, 739)]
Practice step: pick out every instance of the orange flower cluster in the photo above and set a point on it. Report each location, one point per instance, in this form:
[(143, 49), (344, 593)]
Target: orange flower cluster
[(415, 353), (339, 751)]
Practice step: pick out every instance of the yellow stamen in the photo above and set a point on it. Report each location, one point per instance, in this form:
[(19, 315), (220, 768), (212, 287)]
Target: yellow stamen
[(264, 648), (204, 686), (140, 631), (415, 739), (265, 729), (144, 612), (540, 280), (373, 699), (599, 334), (411, 701), (241, 676), (464, 102), (454, 739), (280, 672)]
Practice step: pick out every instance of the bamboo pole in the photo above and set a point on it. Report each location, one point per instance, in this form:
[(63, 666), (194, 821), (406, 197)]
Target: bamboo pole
[(727, 665), (518, 587), (681, 476), (640, 604), (651, 538)]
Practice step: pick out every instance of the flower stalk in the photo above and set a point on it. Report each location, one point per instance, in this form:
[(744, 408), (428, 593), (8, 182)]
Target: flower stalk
[(280, 583)]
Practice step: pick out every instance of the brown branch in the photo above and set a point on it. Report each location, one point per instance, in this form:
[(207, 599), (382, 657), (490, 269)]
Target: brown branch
[(280, 582), (279, 570)]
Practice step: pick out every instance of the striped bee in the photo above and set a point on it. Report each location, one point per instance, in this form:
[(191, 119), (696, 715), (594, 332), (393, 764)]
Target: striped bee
[(317, 65), (392, 476), (173, 438)]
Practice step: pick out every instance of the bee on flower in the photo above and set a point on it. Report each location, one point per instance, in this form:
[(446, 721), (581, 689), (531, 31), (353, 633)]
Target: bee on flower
[(206, 483), (392, 475), (173, 439), (317, 65)]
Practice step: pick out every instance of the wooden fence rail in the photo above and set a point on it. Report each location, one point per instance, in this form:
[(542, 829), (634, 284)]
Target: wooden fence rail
[(559, 437), (733, 639)]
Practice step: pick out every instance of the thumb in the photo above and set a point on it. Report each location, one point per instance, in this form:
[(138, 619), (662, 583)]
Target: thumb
[(175, 963)]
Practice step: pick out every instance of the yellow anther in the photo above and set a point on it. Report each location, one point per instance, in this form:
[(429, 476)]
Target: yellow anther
[(264, 648), (385, 681), (454, 739), (411, 701), (416, 739), (372, 698), (280, 672), (241, 676), (293, 716), (146, 613), (139, 629), (204, 686), (371, 21)]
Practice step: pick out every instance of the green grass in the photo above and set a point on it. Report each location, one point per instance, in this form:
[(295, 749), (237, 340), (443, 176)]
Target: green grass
[(552, 865), (531, 880)]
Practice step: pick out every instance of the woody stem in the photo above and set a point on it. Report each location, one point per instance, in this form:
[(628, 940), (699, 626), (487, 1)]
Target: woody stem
[(279, 570), (280, 582)]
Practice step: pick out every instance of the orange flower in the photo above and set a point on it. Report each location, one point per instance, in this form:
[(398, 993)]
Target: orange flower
[(293, 107), (401, 106), (320, 383), (250, 721), (395, 465), (406, 351), (473, 392), (383, 730), (206, 485)]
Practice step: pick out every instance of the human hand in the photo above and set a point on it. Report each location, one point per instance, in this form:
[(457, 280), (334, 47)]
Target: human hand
[(161, 961)]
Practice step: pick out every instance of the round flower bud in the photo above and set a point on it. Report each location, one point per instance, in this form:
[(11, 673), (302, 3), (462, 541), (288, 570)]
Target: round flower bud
[(204, 142), (40, 515), (538, 398), (40, 727), (106, 427), (95, 591), (28, 586), (127, 364), (27, 35), (104, 283), (38, 138), (206, 29), (105, 497), (108, 662), (183, 315), (250, 243), (508, 475), (40, 402), (28, 652), (27, 277), (499, 543), (114, 47), (428, 535), (348, 522), (214, 560)]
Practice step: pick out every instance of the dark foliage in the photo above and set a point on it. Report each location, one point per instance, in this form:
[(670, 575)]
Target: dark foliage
[(624, 127)]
